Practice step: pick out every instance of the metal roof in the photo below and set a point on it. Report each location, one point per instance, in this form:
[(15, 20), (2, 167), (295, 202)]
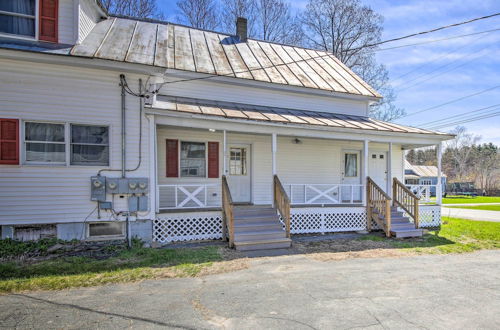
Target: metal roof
[(423, 170), (281, 115), (179, 47)]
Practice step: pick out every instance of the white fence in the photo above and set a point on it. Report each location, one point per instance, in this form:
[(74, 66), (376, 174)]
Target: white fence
[(422, 191), (324, 194), (186, 196)]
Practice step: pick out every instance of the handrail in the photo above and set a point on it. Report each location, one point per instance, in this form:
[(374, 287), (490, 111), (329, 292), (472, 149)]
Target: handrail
[(227, 212), (378, 201), (282, 203), (406, 199)]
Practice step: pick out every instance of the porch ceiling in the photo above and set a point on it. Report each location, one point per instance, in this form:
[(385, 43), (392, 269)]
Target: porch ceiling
[(281, 115)]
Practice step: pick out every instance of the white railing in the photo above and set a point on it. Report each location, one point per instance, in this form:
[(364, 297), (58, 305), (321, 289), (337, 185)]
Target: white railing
[(422, 191), (325, 194), (188, 196)]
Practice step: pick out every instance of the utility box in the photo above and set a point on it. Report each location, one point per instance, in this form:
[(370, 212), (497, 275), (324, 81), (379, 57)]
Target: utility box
[(98, 188), (138, 185), (143, 204), (133, 204), (112, 185)]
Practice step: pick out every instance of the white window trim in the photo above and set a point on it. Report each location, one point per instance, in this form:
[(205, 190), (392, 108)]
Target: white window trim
[(179, 159), (67, 143), (37, 23)]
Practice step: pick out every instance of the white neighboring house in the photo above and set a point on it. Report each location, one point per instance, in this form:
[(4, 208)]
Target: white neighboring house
[(232, 137)]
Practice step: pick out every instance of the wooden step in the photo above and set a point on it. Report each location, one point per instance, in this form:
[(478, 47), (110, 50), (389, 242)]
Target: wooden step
[(257, 211), (259, 235), (405, 225), (244, 226), (282, 243), (400, 233)]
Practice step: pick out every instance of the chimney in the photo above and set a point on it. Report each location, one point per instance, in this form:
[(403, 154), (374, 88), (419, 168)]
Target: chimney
[(241, 28)]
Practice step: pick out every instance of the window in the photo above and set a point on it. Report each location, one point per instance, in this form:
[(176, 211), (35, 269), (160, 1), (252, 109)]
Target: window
[(106, 229), (426, 182), (44, 143), (193, 159), (18, 17), (351, 165), (89, 145), (238, 161)]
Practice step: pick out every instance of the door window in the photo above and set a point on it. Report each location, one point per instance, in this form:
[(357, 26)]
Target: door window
[(351, 165), (238, 161)]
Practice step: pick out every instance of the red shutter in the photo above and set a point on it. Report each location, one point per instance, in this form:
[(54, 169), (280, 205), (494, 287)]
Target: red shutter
[(213, 159), (172, 158), (9, 141), (48, 20)]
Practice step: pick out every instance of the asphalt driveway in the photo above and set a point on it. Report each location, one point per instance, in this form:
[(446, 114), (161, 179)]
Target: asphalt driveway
[(470, 214), (288, 292)]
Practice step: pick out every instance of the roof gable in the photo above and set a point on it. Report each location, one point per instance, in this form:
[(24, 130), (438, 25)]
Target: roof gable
[(183, 48)]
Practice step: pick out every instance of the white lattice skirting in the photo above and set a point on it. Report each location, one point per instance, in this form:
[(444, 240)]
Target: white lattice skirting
[(327, 219), (430, 215), (187, 226)]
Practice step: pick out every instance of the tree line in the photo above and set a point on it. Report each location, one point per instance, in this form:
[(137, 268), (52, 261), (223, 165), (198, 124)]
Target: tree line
[(345, 28)]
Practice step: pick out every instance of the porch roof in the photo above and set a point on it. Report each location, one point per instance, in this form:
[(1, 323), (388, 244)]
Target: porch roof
[(282, 115)]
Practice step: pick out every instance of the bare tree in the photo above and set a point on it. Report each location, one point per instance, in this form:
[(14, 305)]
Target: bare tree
[(461, 151), (133, 8), (232, 9), (201, 14), (276, 23), (347, 29)]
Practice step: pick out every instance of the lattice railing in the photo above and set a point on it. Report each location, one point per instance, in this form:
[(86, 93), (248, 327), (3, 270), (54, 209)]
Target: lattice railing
[(185, 196), (423, 192), (324, 194)]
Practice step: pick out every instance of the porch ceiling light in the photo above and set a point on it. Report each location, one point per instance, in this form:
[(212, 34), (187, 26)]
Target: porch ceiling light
[(211, 130)]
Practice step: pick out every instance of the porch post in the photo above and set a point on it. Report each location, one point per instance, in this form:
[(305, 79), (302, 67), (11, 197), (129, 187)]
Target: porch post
[(224, 152), (439, 187), (365, 168), (274, 147), (153, 192), (389, 170)]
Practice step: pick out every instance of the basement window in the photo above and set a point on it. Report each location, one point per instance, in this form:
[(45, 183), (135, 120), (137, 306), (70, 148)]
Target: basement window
[(106, 229)]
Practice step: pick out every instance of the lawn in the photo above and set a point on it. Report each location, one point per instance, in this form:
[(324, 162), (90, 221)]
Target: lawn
[(478, 207), (467, 200), (455, 236)]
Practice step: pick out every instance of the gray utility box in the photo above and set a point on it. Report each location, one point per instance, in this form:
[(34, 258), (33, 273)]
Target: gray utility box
[(98, 188), (138, 203)]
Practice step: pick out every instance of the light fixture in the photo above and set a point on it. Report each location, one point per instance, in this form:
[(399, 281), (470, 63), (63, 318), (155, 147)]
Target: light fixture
[(211, 130), (297, 141)]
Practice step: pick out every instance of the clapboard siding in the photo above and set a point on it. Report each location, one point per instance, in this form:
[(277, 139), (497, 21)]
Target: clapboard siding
[(88, 18), (66, 22), (209, 90), (32, 91)]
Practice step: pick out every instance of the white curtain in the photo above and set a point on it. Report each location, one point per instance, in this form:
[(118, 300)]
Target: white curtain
[(351, 166)]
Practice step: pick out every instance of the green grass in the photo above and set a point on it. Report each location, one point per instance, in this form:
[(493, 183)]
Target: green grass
[(467, 200), (455, 236), (479, 207), (130, 265)]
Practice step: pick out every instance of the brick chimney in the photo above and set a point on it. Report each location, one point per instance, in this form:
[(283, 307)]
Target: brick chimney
[(241, 28)]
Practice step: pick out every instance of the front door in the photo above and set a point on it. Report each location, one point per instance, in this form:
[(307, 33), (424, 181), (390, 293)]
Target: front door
[(378, 168), (350, 190), (238, 178)]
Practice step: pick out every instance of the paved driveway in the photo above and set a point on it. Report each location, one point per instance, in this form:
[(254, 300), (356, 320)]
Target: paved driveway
[(470, 214), (292, 292)]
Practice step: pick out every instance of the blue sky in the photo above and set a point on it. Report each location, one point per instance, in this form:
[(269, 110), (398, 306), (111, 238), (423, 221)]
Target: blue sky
[(428, 75)]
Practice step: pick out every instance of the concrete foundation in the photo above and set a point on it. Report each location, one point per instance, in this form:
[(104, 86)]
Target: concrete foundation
[(142, 229), (70, 231)]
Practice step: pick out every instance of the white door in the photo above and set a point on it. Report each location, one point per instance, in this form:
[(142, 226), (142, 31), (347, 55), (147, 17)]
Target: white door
[(238, 177), (350, 191), (377, 168)]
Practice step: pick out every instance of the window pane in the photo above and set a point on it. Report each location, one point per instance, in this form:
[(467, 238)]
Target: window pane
[(193, 159), (45, 152), (17, 25), (351, 165), (106, 229), (89, 134), (18, 6), (44, 132), (89, 155), (238, 161)]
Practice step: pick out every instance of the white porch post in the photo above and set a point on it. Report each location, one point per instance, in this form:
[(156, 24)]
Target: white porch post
[(224, 152), (274, 147), (153, 178), (439, 190), (365, 168), (389, 170)]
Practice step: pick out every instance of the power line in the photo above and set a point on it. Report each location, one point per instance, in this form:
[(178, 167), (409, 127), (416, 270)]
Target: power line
[(484, 116), (449, 102), (437, 40), (428, 31), (458, 117)]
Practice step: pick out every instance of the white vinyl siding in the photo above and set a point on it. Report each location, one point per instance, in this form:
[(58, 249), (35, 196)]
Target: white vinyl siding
[(57, 93)]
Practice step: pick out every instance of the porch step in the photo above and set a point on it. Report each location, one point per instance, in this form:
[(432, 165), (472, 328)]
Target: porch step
[(400, 233), (245, 226), (258, 235), (281, 243), (403, 225), (247, 211)]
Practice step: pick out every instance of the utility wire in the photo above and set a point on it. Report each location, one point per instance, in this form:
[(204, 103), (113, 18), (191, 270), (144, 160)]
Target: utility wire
[(459, 116), (494, 114), (449, 102), (426, 32)]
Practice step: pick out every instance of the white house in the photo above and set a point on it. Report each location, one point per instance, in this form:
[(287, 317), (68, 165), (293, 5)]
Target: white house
[(114, 126)]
